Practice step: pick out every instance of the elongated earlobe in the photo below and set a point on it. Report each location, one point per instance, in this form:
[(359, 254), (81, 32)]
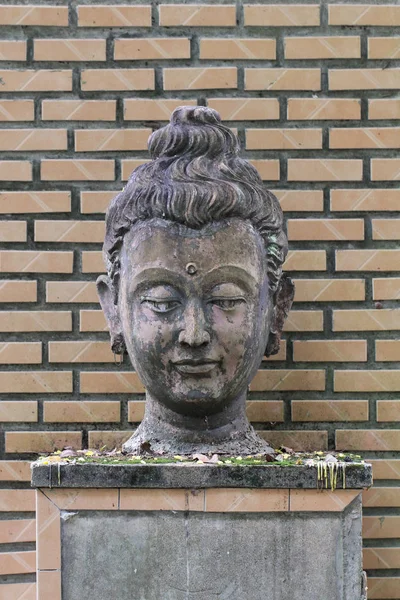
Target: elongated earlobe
[(107, 296), (283, 302)]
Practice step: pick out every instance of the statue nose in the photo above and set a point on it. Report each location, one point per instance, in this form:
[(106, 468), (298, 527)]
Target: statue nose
[(194, 332)]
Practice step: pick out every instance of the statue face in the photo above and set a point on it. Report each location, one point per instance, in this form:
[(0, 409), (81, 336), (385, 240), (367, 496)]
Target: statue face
[(195, 311)]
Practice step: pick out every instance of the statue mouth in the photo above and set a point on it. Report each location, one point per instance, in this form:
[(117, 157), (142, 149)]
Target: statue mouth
[(195, 367)]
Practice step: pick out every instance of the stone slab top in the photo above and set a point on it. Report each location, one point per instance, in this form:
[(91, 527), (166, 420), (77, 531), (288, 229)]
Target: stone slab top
[(197, 476)]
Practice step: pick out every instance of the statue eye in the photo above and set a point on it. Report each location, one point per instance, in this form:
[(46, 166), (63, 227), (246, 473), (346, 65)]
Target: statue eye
[(227, 303), (160, 306)]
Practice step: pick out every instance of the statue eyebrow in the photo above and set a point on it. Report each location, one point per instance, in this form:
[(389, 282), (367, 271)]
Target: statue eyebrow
[(231, 274), (154, 276)]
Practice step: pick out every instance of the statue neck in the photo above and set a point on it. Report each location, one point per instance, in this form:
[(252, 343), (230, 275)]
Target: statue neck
[(169, 432), (220, 424)]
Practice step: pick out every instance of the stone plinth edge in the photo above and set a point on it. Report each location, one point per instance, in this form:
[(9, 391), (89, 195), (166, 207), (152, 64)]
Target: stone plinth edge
[(192, 476)]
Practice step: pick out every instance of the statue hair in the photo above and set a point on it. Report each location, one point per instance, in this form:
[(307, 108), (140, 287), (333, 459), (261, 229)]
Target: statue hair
[(195, 178)]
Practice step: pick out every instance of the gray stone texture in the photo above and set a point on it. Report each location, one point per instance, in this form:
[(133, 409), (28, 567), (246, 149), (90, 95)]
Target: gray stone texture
[(190, 476), (201, 556)]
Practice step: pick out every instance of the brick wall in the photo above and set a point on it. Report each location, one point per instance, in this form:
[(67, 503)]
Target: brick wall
[(311, 90)]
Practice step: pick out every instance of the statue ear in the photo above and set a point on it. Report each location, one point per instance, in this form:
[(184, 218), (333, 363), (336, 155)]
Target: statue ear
[(282, 303), (107, 296)]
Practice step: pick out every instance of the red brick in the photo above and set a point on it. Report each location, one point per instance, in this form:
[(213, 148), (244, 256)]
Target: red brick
[(81, 412), (17, 501), (200, 78), (383, 47), (385, 169), (34, 202), (17, 530), (42, 16), (80, 352), (387, 411), (93, 262), (366, 320), (116, 15), (329, 290), (285, 379), (330, 169), (15, 170), (269, 170), (245, 109), (386, 289), (325, 229), (313, 109), (330, 351), (197, 15), (12, 50), (35, 382), (107, 140), (380, 108), (70, 50), (16, 110), (92, 320), (385, 229), (35, 320), (25, 140), (31, 80), (103, 382), (305, 260), (310, 47), (381, 588), (283, 139), (96, 202), (369, 440), (329, 410), (367, 381), (364, 79), (300, 200), (20, 353), (18, 412), (41, 441), (78, 110), (77, 170), (304, 320), (71, 291), (18, 291), (367, 260), (149, 109), (371, 137), (282, 15), (365, 200), (301, 441), (13, 231), (69, 231), (98, 80), (151, 48), (237, 49), (364, 14), (388, 350), (283, 79), (27, 261)]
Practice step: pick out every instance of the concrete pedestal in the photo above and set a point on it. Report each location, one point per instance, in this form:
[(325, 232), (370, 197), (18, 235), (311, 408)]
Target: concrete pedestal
[(197, 543)]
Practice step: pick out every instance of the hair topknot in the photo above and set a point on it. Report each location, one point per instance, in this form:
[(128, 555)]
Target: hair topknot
[(196, 177)]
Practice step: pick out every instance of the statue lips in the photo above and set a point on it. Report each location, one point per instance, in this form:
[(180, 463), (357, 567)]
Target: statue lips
[(195, 367)]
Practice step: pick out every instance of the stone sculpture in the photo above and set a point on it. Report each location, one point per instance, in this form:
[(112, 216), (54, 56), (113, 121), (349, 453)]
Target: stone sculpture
[(195, 294)]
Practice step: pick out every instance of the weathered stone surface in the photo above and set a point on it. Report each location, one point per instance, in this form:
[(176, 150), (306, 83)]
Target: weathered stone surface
[(194, 290), (164, 555), (190, 476)]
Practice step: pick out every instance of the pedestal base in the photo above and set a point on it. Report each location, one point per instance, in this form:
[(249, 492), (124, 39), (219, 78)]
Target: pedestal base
[(177, 544)]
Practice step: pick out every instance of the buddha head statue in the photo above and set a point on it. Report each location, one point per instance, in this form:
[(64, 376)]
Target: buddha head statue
[(194, 290)]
